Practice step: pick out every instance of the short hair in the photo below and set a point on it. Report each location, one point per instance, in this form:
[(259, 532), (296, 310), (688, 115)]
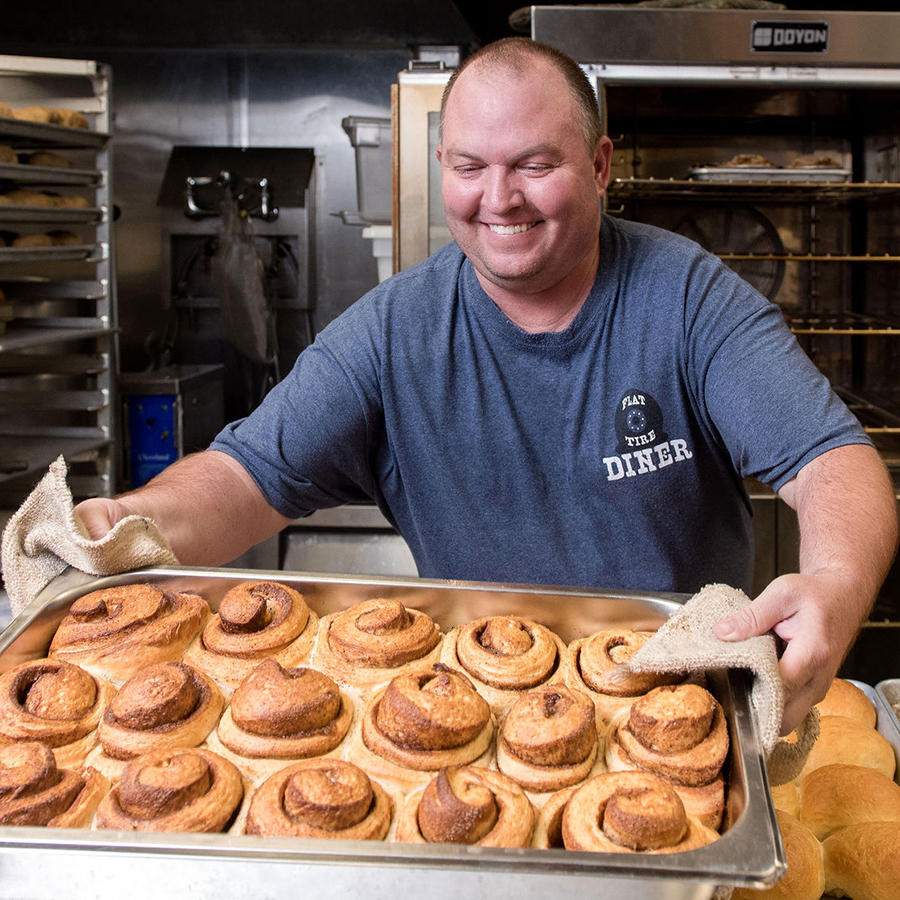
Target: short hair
[(512, 53)]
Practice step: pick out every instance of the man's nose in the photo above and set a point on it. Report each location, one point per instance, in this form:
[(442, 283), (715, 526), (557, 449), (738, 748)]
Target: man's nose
[(504, 190)]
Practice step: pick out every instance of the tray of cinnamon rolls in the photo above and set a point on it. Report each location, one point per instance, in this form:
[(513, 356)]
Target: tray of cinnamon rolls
[(367, 736)]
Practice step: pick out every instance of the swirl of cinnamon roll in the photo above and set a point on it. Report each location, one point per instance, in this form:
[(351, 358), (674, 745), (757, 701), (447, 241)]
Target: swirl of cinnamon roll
[(34, 791), (373, 641), (256, 620), (421, 721), (679, 733), (504, 655), (56, 703), (596, 666), (163, 705), (116, 631), (548, 739), (320, 798), (468, 805), (630, 812), (277, 714), (174, 790)]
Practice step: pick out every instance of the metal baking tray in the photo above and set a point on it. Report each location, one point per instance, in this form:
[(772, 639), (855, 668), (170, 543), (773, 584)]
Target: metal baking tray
[(23, 173), (887, 702), (51, 215), (796, 175), (21, 133), (75, 252), (38, 863)]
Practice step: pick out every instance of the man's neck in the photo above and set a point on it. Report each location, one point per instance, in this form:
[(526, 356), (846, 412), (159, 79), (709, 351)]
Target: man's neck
[(553, 309)]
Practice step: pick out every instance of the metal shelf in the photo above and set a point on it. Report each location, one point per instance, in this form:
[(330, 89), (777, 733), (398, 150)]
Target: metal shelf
[(51, 215), (25, 135), (809, 322), (75, 253), (31, 454), (757, 191), (31, 176)]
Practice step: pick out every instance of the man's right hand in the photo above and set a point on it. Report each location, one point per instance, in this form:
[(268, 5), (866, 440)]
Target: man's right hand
[(98, 516)]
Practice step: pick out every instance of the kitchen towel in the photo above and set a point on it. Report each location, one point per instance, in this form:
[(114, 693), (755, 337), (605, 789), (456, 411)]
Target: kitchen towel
[(685, 643), (44, 536)]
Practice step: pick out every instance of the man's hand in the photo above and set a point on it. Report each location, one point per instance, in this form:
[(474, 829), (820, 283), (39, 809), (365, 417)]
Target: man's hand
[(98, 516), (847, 513), (814, 616)]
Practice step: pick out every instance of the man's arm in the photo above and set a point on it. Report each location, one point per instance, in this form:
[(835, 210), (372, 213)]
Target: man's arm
[(848, 538), (207, 506)]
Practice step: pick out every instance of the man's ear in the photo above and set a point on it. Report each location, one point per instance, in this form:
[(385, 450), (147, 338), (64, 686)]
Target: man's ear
[(603, 164)]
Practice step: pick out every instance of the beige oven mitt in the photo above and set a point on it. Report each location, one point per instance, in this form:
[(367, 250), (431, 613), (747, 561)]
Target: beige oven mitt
[(685, 643), (44, 536)]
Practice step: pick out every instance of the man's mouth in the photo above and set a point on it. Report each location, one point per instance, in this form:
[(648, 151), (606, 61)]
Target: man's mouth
[(512, 229)]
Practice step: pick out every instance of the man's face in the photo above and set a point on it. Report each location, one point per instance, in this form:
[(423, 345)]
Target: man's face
[(521, 192)]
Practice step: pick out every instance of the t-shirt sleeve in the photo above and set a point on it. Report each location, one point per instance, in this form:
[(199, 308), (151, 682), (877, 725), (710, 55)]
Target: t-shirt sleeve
[(306, 446), (772, 407)]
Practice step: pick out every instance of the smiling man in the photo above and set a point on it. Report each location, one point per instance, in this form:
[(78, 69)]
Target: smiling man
[(557, 397)]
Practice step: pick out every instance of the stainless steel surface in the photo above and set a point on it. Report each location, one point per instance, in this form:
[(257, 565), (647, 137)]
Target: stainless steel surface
[(886, 722), (803, 175), (601, 35), (51, 215), (749, 852), (47, 175), (75, 253)]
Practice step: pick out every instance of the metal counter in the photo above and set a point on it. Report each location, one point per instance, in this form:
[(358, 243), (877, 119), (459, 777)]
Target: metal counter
[(54, 864)]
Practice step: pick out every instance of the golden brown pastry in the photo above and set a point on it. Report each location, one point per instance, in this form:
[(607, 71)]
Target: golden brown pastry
[(595, 667), (374, 641), (117, 631), (630, 812), (5, 110), (256, 620), (48, 158), (786, 798), (174, 790), (71, 201), (420, 722), (679, 733), (65, 238), (843, 740), (805, 877), (548, 740), (36, 114), (468, 805), (846, 699), (21, 197), (548, 825), (321, 798), (33, 240), (504, 655), (34, 791), (70, 118), (832, 797), (279, 714), (56, 703), (164, 705), (747, 159), (7, 154), (862, 861)]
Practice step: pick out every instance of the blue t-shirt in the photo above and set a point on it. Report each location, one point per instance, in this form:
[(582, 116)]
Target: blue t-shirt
[(609, 455)]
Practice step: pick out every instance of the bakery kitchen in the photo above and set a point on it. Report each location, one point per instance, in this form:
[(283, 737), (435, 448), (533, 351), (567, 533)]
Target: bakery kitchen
[(646, 460)]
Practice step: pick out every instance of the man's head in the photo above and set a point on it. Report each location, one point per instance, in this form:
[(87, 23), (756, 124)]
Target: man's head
[(523, 167), (516, 54)]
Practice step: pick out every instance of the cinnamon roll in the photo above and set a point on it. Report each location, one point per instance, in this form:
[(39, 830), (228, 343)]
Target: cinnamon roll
[(420, 722), (548, 739), (504, 655), (595, 666), (279, 714), (630, 812), (320, 798), (56, 703), (679, 733), (373, 641), (174, 790), (548, 826), (162, 706), (117, 631), (256, 620), (468, 805), (34, 791)]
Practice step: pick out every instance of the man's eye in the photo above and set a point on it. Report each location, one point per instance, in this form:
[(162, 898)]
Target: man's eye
[(467, 170), (535, 168)]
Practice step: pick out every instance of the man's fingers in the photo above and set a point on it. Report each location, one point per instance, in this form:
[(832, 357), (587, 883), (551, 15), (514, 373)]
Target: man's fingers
[(756, 618)]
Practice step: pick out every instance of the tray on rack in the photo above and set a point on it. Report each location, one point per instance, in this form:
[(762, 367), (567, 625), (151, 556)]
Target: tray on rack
[(33, 175), (105, 863), (796, 175), (886, 723), (21, 133), (48, 254)]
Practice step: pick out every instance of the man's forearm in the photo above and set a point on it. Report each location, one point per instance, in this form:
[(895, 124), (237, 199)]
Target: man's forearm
[(206, 505)]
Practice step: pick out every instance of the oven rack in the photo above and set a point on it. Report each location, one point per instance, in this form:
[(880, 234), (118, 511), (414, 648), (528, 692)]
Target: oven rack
[(843, 323), (759, 191)]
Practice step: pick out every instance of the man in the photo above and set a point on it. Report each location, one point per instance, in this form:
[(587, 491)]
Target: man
[(557, 399)]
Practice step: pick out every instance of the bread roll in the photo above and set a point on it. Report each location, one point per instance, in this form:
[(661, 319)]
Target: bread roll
[(7, 154), (786, 797), (48, 158), (838, 795), (70, 118), (5, 110), (846, 699), (805, 877), (40, 114), (863, 861), (33, 240), (843, 740)]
